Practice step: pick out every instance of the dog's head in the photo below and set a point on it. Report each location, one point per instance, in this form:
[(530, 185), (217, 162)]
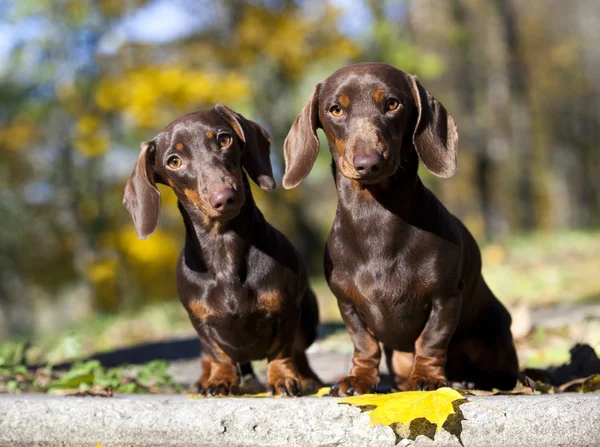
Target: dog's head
[(371, 114), (200, 156)]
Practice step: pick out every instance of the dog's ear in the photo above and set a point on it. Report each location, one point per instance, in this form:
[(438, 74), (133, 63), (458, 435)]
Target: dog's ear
[(301, 145), (142, 198), (257, 147), (435, 136)]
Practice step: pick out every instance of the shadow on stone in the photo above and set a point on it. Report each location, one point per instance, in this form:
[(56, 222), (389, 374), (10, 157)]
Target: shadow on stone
[(135, 355), (171, 350), (422, 426)]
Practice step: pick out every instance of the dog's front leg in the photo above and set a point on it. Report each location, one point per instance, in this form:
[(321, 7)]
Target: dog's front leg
[(364, 375), (219, 371), (282, 376), (432, 345)]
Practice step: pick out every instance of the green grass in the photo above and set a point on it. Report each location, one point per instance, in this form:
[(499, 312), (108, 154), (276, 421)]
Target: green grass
[(545, 268), (106, 332), (89, 378)]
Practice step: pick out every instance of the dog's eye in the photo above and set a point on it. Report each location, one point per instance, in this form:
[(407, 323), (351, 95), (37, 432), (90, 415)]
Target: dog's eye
[(336, 111), (224, 140), (174, 162), (391, 104)]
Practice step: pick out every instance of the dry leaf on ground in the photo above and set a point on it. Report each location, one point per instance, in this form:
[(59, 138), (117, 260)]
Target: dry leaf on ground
[(585, 385), (320, 393), (405, 407)]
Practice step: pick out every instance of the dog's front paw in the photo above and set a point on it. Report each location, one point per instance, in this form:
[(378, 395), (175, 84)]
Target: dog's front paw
[(421, 382), (284, 386), (219, 386), (353, 386), (198, 387), (282, 378)]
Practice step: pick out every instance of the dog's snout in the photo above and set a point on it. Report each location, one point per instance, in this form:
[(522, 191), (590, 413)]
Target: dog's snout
[(369, 163), (223, 200)]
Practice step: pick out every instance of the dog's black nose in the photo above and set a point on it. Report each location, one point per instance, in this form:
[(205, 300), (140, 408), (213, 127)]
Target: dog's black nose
[(223, 199), (367, 164)]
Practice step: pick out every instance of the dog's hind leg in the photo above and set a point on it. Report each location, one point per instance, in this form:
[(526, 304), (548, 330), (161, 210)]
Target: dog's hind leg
[(306, 335), (400, 365)]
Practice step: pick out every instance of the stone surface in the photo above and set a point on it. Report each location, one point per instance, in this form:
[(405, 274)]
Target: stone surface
[(568, 419)]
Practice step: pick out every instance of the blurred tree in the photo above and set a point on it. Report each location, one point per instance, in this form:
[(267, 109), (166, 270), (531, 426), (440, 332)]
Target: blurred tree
[(83, 82), (80, 110)]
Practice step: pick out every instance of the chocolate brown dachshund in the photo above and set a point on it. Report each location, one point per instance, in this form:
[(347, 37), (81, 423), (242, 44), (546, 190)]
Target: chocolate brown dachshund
[(405, 271), (240, 280)]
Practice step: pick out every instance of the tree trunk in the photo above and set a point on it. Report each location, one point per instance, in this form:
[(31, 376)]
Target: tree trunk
[(520, 114)]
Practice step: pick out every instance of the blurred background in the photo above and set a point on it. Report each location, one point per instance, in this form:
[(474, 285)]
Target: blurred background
[(82, 82)]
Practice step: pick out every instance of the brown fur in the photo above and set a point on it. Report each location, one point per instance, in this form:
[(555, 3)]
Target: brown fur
[(241, 281), (406, 272), (379, 95)]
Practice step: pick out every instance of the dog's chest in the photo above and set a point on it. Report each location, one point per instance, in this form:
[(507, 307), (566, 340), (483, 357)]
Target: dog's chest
[(241, 320), (391, 302), (396, 264), (234, 304), (381, 283)]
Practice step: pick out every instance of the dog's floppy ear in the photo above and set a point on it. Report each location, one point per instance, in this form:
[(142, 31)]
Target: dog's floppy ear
[(257, 146), (142, 198), (435, 136), (301, 145)]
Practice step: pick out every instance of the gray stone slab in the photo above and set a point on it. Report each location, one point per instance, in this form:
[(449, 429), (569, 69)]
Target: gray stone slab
[(161, 420)]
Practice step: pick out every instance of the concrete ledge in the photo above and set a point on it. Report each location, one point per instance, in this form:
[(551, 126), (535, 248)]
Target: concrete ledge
[(161, 420)]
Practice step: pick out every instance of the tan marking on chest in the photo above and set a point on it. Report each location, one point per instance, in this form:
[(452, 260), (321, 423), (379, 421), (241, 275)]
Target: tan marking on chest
[(198, 309), (350, 291), (269, 301)]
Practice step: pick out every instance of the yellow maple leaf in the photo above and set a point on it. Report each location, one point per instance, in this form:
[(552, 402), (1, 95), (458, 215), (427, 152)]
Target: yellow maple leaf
[(405, 407), (322, 392)]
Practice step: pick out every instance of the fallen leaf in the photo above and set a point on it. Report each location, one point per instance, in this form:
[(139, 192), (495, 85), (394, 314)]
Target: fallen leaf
[(543, 388), (405, 407), (96, 391), (464, 392), (571, 385), (528, 382), (322, 392), (518, 391), (591, 384), (585, 384), (258, 395)]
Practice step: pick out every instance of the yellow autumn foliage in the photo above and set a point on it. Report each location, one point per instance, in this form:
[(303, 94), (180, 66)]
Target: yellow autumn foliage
[(92, 145), (293, 42), (102, 270), (159, 249), (102, 275), (147, 96), (405, 407), (20, 132), (91, 137)]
